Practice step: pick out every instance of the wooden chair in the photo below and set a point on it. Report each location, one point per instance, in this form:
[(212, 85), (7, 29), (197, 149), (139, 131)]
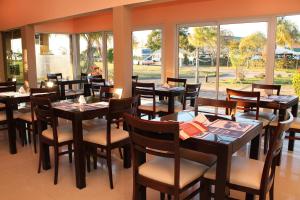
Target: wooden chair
[(29, 117), (271, 88), (107, 137), (176, 81), (54, 77), (83, 77), (191, 93), (55, 136), (248, 102), (167, 172), (252, 176), (147, 102), (228, 106), (135, 78), (108, 92), (96, 83)]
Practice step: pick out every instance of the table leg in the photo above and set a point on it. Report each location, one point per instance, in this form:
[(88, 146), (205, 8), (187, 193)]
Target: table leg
[(139, 191), (223, 173), (171, 103), (282, 114), (78, 151), (127, 156), (255, 146), (62, 91), (11, 126), (292, 133)]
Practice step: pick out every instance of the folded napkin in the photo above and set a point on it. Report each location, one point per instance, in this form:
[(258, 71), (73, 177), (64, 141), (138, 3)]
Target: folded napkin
[(81, 100), (196, 127), (166, 85), (22, 90)]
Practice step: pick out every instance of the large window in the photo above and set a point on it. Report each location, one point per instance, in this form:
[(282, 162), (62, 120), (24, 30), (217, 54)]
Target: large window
[(96, 53), (197, 57), (287, 54), (146, 47), (242, 55), (53, 55)]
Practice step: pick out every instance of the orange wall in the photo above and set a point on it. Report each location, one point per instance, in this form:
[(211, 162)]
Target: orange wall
[(188, 11), (16, 13)]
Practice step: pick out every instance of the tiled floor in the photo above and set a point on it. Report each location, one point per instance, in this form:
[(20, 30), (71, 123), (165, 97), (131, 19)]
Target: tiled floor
[(19, 178)]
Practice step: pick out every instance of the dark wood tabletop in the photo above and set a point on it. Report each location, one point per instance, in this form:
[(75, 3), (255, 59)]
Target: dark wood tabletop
[(221, 146)]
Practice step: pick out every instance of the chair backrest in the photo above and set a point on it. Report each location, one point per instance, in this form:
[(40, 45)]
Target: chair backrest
[(83, 76), (96, 83), (178, 81), (54, 77), (44, 113), (108, 92), (229, 106), (117, 108), (192, 90), (276, 88), (135, 78), (273, 154), (10, 85), (145, 91), (246, 100), (155, 138)]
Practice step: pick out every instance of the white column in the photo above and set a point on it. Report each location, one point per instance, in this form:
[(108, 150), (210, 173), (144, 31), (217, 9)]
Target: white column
[(2, 66), (169, 52), (29, 59), (122, 49), (271, 47)]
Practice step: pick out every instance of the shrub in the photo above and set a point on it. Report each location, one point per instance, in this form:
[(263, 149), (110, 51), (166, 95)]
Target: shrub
[(296, 83)]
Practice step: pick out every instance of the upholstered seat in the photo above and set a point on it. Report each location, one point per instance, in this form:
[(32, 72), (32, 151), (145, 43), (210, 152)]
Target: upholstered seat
[(162, 170), (203, 158), (98, 135), (264, 117), (94, 123), (64, 133), (2, 116), (294, 125), (244, 172)]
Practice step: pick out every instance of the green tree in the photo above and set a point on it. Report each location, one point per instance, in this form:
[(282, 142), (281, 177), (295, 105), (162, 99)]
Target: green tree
[(203, 39), (92, 39), (184, 44), (154, 40), (287, 33)]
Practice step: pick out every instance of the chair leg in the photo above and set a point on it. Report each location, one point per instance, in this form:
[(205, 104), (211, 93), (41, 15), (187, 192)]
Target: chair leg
[(266, 140), (205, 190), (34, 135), (162, 196), (170, 196), (88, 159), (108, 153), (40, 158), (56, 162), (70, 152), (95, 157), (271, 193), (121, 153)]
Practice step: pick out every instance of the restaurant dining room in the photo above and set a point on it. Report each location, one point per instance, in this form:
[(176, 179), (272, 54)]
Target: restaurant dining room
[(149, 99)]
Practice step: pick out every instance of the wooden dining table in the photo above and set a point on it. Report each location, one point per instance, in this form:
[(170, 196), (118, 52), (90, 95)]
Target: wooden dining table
[(223, 146), (11, 101), (77, 114)]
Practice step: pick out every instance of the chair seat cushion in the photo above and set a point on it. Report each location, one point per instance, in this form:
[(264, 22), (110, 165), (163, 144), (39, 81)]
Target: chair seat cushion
[(200, 157), (264, 117), (98, 135), (64, 133), (162, 170), (2, 116), (294, 125), (94, 123), (244, 172)]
